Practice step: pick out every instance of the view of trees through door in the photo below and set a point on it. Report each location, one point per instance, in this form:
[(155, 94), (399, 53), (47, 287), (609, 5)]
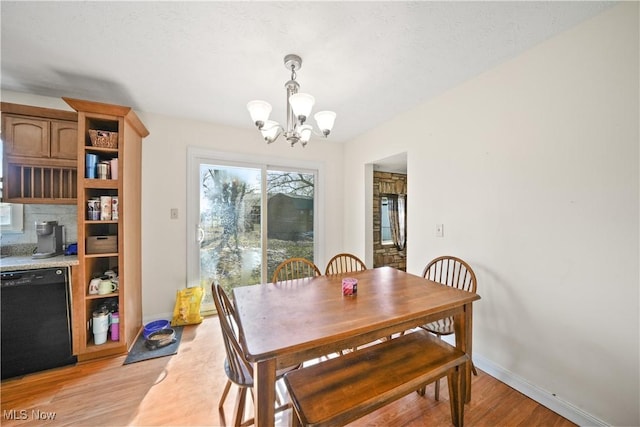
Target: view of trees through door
[(251, 219)]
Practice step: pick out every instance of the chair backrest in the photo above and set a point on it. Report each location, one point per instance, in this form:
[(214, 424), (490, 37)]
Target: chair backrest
[(295, 268), (451, 271), (344, 263), (237, 367)]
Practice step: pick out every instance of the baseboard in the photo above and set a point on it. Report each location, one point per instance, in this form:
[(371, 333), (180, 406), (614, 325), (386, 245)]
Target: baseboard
[(163, 316), (543, 397)]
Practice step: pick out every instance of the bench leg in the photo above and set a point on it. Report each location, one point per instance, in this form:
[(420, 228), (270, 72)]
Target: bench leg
[(457, 395)]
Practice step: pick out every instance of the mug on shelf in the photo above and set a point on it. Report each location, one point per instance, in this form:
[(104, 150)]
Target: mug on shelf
[(106, 287), (94, 286)]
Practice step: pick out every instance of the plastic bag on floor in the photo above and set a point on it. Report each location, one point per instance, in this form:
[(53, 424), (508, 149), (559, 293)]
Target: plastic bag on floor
[(187, 308)]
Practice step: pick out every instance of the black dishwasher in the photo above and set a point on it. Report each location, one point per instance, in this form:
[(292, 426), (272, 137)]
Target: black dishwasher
[(35, 323)]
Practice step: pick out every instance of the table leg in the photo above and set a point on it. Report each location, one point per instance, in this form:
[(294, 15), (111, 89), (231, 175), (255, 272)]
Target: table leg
[(264, 381), (463, 331)]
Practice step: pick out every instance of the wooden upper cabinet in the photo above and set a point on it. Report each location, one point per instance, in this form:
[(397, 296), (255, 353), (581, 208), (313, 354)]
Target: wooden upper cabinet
[(64, 140), (40, 137), (40, 152), (24, 136)]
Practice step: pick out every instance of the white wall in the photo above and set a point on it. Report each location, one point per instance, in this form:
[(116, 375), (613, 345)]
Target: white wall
[(164, 186), (532, 168)]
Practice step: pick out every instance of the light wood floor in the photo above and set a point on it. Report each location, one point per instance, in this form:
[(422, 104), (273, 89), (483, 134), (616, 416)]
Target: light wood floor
[(183, 390)]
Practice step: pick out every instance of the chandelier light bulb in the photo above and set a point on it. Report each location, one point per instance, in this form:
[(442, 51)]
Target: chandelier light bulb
[(325, 121), (301, 104), (305, 133), (259, 111)]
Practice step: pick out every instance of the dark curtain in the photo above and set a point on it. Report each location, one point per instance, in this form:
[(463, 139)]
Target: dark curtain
[(397, 219)]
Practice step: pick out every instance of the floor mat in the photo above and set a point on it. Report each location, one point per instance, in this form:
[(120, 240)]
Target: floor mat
[(140, 352)]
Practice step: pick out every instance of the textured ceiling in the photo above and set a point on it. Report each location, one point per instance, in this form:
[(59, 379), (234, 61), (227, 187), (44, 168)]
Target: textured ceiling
[(368, 61)]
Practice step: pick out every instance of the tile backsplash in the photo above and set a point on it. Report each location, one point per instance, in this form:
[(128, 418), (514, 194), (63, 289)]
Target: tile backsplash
[(66, 215)]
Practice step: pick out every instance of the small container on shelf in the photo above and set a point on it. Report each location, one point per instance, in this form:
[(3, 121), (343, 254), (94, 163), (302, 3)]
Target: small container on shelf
[(105, 208), (91, 161), (114, 208), (114, 168), (93, 209), (103, 138), (102, 244), (103, 169)]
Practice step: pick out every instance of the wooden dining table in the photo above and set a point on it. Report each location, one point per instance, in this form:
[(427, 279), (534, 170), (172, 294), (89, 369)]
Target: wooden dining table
[(288, 323)]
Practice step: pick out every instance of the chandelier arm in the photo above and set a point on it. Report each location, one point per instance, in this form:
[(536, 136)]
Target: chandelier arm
[(267, 128), (321, 134)]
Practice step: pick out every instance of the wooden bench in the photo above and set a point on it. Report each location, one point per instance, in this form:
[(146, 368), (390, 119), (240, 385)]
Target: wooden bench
[(343, 389)]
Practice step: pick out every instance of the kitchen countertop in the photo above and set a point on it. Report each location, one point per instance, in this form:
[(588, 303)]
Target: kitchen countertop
[(25, 262)]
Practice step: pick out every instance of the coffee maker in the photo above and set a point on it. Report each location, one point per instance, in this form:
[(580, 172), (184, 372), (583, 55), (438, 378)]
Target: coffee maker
[(49, 239)]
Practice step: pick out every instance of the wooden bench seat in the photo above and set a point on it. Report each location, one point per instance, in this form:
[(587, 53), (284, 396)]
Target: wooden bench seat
[(343, 389)]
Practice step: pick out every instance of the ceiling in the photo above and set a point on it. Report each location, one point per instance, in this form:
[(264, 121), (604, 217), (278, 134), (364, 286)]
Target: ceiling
[(368, 61)]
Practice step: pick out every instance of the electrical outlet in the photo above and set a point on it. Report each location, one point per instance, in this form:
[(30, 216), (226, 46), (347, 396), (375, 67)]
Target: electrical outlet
[(174, 213), (439, 230)]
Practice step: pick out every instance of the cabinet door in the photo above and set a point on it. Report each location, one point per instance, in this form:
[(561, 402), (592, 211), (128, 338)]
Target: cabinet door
[(26, 136), (64, 140)]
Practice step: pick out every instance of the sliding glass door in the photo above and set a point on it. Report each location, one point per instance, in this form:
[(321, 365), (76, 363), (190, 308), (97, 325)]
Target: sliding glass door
[(251, 217)]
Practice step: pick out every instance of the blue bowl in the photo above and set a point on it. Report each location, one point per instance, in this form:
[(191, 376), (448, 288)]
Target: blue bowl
[(154, 326)]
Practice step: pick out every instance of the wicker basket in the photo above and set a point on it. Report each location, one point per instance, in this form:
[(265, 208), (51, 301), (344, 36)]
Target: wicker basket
[(103, 138)]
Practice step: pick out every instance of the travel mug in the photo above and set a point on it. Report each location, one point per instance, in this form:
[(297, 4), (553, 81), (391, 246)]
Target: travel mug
[(100, 327), (115, 326), (114, 168), (91, 160)]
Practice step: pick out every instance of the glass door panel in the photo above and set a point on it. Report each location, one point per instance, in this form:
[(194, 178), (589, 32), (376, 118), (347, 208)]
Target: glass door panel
[(290, 217), (230, 227)]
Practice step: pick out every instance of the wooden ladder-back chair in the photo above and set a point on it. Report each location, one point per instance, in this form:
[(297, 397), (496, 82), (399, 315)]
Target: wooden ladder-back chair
[(295, 268), (344, 263), (236, 366), (454, 272)]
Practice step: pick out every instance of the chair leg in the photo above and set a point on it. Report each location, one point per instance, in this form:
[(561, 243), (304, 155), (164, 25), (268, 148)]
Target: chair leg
[(240, 403), (224, 394), (473, 369), (437, 390)]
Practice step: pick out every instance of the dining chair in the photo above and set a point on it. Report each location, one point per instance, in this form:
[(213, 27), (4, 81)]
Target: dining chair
[(454, 272), (295, 268), (344, 263), (236, 366)]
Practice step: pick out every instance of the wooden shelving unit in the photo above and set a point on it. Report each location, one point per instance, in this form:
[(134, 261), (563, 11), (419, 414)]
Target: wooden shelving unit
[(126, 228)]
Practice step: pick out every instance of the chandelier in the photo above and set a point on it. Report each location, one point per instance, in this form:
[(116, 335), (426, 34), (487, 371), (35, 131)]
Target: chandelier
[(298, 110)]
